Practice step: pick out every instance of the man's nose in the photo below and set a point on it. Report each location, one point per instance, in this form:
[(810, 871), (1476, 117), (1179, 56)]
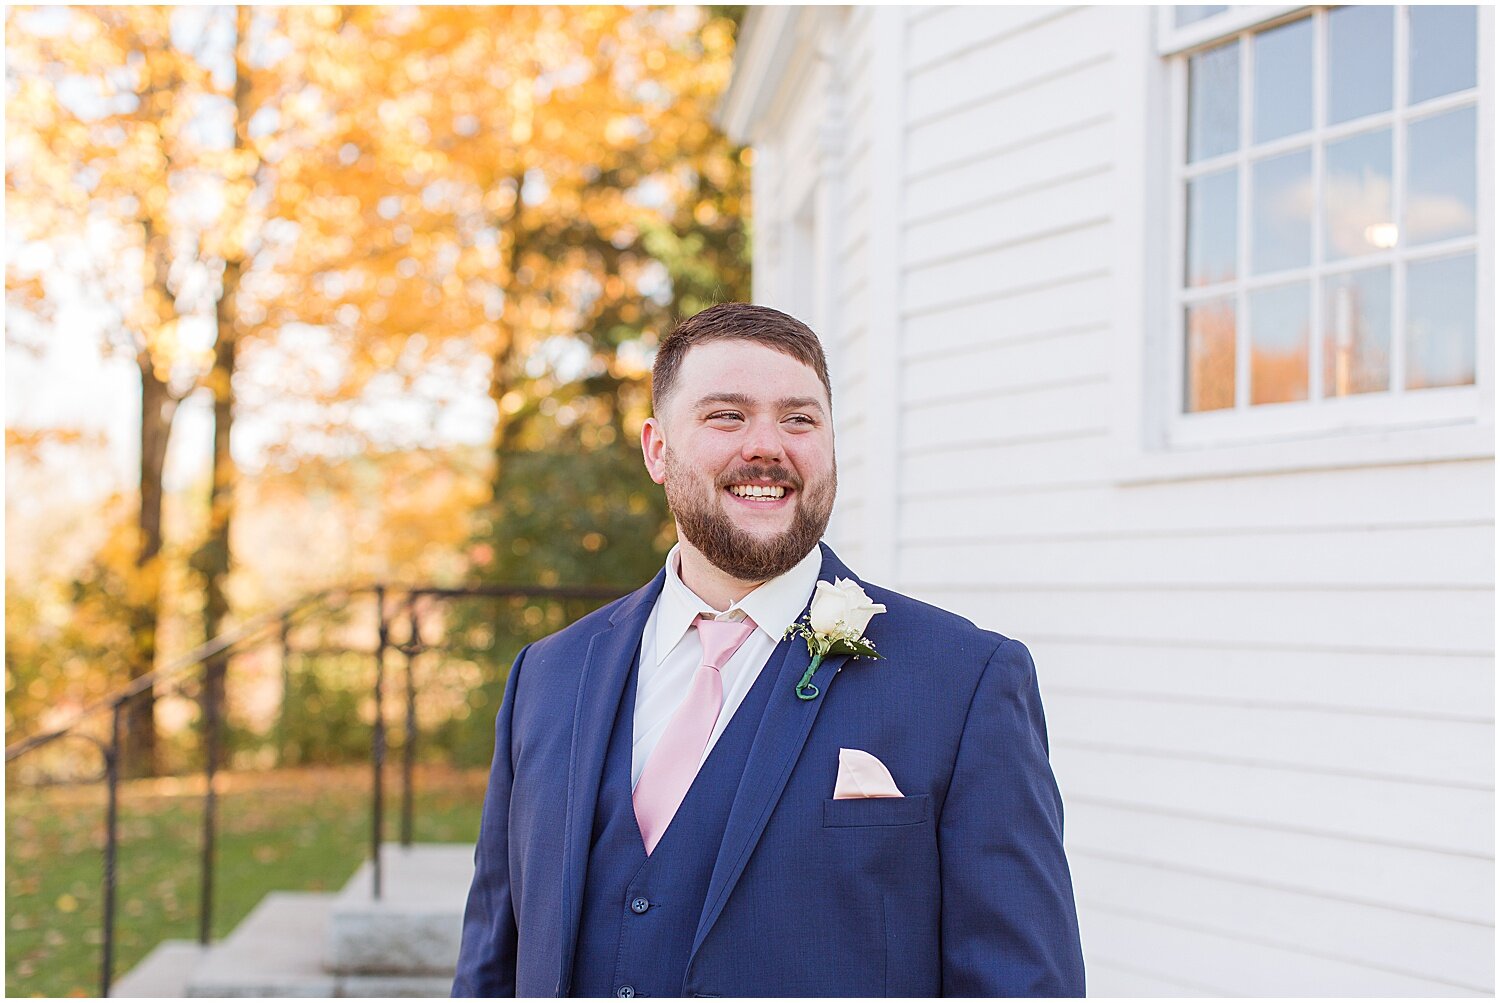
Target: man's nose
[(762, 441)]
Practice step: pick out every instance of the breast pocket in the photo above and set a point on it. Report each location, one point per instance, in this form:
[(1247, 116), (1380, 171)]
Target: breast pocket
[(852, 812)]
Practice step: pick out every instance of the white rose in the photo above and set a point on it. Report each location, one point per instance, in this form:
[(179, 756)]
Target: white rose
[(842, 609)]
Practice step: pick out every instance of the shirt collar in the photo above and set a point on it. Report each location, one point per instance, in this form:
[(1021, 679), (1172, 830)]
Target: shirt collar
[(773, 606)]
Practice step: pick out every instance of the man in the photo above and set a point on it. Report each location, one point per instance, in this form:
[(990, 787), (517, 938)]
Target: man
[(677, 808)]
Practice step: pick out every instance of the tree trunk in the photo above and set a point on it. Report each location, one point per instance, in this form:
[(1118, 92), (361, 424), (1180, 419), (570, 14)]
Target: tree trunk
[(213, 559), (157, 410), (510, 324)]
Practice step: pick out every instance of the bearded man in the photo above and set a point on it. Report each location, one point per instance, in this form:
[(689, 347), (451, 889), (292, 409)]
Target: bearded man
[(759, 775)]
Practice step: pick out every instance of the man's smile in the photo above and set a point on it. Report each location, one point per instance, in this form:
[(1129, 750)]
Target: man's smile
[(761, 494)]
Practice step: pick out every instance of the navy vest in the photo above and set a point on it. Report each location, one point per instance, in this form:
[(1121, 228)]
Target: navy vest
[(640, 913)]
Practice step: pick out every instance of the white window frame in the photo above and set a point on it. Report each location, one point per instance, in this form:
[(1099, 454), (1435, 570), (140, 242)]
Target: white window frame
[(1154, 439)]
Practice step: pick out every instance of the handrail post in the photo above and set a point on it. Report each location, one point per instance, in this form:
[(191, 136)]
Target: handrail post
[(409, 753), (210, 698), (379, 738), (111, 843)]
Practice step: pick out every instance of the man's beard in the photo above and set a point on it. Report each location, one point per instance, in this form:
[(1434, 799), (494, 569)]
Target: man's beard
[(733, 551)]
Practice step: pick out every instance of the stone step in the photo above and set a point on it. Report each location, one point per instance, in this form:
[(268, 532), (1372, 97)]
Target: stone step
[(320, 944), (162, 974), (413, 929), (277, 950)]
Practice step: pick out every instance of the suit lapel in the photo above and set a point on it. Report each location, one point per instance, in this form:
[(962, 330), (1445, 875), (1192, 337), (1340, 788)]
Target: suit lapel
[(778, 743), (606, 667)]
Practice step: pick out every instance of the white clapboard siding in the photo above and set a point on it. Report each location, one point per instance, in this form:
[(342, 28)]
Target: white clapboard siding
[(1420, 945), (1050, 462), (1065, 254), (1270, 696), (1437, 687), (984, 316), (1422, 815), (1078, 150), (1452, 620), (1433, 557), (1119, 978), (1009, 364), (1056, 102), (1231, 964), (1427, 495), (1428, 882), (939, 34), (1040, 411), (1458, 753), (1065, 204), (984, 72)]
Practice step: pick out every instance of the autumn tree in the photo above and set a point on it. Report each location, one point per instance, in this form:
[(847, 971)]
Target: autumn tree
[(101, 161)]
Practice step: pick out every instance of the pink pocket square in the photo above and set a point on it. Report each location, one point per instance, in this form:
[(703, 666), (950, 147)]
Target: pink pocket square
[(861, 775)]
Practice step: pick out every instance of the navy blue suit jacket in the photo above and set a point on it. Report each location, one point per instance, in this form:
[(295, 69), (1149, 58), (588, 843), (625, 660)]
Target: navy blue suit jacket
[(959, 888)]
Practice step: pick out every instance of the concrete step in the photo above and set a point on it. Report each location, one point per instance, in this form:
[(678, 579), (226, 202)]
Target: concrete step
[(413, 929), (164, 973), (320, 944), (277, 950)]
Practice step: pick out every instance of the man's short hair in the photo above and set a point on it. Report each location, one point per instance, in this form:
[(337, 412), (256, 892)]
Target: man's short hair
[(772, 328)]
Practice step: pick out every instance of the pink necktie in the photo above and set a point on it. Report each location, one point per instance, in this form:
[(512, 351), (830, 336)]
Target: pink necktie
[(674, 762)]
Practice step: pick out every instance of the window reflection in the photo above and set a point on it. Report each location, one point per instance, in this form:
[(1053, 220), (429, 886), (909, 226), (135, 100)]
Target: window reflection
[(1357, 333), (1212, 235), (1440, 186), (1214, 102), (1283, 80), (1357, 196), (1440, 322), (1360, 62), (1280, 334), (1281, 210), (1209, 360), (1443, 51)]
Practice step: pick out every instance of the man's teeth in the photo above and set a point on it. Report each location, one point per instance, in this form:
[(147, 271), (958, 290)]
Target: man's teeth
[(756, 491)]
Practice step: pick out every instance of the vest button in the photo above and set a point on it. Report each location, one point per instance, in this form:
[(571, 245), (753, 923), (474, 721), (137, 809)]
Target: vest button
[(625, 992), (639, 906)]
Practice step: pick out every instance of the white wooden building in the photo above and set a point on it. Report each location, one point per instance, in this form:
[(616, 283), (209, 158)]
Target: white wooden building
[(1163, 340)]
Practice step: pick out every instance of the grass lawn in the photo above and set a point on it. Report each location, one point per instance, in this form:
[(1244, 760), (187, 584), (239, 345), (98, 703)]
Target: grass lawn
[(305, 829)]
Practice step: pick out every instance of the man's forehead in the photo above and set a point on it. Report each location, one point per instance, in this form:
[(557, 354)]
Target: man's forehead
[(745, 366)]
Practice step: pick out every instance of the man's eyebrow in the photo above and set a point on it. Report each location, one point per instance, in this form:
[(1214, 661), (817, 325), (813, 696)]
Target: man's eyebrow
[(746, 401)]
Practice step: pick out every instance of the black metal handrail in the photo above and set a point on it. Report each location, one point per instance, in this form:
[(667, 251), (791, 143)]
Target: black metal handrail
[(183, 669)]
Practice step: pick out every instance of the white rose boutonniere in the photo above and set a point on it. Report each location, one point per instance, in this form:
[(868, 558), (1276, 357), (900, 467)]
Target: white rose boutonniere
[(835, 626)]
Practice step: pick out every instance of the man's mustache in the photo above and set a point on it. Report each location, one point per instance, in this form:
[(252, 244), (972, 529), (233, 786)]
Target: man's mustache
[(749, 475)]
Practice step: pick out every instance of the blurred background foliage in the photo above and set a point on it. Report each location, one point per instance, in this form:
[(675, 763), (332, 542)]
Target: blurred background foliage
[(414, 261)]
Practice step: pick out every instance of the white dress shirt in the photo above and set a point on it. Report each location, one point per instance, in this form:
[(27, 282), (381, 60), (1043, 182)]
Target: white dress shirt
[(671, 650)]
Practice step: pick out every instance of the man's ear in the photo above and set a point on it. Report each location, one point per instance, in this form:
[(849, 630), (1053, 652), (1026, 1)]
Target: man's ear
[(654, 449)]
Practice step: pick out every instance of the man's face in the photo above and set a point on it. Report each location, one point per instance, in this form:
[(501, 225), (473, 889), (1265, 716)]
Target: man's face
[(745, 450)]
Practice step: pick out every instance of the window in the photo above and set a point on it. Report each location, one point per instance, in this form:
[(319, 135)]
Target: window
[(1326, 219)]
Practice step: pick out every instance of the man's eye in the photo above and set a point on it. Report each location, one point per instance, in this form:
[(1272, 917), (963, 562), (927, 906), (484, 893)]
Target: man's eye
[(724, 416), (801, 419)]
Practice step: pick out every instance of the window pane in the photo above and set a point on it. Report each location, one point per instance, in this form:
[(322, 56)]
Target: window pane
[(1281, 212), (1357, 196), (1440, 322), (1192, 13), (1283, 80), (1357, 333), (1440, 179), (1214, 102), (1209, 382), (1442, 51), (1279, 337), (1360, 62), (1212, 235)]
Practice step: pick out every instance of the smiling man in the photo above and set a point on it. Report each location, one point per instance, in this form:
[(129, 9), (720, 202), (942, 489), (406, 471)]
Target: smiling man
[(687, 801)]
